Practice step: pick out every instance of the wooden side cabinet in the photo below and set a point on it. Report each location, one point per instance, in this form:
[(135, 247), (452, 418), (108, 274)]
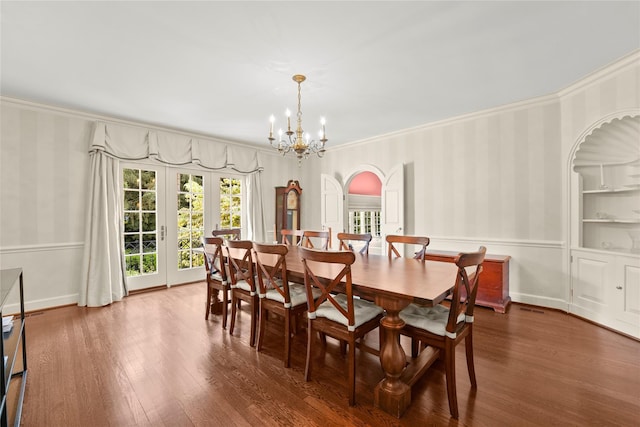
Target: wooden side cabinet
[(14, 352), (288, 207), (494, 281)]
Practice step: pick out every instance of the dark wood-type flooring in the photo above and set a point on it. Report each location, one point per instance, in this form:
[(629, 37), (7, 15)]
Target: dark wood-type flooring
[(153, 360)]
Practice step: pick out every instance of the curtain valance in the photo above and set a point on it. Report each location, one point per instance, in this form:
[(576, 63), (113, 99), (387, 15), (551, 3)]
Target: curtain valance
[(133, 143)]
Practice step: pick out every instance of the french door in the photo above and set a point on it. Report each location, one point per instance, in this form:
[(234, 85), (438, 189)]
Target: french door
[(166, 213), (144, 232)]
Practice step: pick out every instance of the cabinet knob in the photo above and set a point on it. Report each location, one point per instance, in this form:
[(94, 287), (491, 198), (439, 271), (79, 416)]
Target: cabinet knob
[(618, 287)]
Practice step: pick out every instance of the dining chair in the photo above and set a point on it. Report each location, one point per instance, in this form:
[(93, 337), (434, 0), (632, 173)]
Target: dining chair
[(243, 284), (394, 240), (291, 237), (320, 237), (345, 240), (338, 315), (216, 275), (277, 295), (228, 233), (445, 327)]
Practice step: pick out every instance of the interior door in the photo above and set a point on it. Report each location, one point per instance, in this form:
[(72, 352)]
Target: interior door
[(332, 206), (393, 203)]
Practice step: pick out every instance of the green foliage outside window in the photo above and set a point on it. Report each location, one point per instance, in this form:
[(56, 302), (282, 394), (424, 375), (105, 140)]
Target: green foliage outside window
[(190, 220)]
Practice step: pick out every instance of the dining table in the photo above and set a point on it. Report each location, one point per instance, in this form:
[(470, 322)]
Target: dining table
[(393, 284)]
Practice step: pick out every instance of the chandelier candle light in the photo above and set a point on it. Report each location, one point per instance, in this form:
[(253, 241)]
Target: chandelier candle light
[(298, 141)]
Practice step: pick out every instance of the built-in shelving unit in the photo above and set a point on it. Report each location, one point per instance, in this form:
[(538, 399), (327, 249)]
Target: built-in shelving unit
[(14, 351), (608, 163)]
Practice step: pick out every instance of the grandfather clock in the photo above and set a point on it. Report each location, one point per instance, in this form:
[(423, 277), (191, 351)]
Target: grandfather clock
[(288, 207)]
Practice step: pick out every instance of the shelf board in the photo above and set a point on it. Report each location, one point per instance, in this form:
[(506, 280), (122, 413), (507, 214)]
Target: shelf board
[(612, 190), (611, 220)]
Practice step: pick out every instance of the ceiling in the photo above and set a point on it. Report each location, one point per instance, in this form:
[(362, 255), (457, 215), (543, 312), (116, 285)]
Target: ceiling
[(222, 68)]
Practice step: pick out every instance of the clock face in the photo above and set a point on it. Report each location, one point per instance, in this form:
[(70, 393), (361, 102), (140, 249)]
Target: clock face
[(292, 200)]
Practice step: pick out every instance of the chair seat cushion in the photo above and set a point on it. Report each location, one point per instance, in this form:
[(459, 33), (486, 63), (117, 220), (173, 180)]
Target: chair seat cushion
[(243, 284), (216, 276), (297, 293), (431, 319), (363, 310)]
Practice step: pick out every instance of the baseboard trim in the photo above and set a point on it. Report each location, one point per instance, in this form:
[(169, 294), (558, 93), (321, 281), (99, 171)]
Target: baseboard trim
[(538, 301)]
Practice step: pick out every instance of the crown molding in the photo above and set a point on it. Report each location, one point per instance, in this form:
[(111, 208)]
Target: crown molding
[(54, 109), (629, 60)]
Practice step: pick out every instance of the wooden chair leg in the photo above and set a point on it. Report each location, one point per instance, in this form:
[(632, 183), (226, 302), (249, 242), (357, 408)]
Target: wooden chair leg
[(415, 347), (352, 373), (323, 339), (225, 309), (468, 345), (307, 368), (206, 316), (287, 339), (262, 323), (233, 312), (450, 369), (254, 318)]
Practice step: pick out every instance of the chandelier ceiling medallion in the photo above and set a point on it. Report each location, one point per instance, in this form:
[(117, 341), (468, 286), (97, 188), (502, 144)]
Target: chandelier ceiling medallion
[(297, 141)]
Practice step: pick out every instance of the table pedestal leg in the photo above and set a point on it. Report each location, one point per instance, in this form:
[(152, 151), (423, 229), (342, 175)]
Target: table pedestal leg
[(392, 395)]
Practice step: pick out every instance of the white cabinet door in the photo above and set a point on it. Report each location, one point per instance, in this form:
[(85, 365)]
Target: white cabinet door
[(627, 301), (592, 276), (605, 288)]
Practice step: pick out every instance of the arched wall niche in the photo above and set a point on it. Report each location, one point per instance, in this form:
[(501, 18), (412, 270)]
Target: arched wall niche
[(611, 141), (604, 167), (603, 222)]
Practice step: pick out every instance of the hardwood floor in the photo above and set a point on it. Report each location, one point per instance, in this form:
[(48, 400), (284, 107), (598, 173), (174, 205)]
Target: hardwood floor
[(153, 360)]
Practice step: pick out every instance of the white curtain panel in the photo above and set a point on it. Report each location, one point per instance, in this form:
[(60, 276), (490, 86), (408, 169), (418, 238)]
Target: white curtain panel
[(103, 265), (257, 225), (103, 278)]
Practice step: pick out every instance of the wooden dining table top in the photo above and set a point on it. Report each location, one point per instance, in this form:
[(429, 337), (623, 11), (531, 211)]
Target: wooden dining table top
[(423, 282)]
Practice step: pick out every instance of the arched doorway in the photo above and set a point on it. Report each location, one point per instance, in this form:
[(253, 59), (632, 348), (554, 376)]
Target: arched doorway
[(364, 207)]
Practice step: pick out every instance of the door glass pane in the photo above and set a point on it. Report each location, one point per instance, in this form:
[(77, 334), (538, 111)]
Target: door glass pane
[(139, 217), (190, 220), (230, 203)]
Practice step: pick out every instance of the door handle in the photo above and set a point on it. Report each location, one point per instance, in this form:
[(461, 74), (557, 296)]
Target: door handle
[(618, 287)]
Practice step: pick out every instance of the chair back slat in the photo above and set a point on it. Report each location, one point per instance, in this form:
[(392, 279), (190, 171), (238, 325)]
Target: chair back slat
[(213, 257), (394, 240), (228, 233), (463, 299), (291, 237), (272, 276), (241, 268), (312, 260), (345, 240), (322, 236)]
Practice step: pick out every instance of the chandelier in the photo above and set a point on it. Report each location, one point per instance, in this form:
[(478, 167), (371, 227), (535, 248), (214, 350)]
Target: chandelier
[(297, 141)]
